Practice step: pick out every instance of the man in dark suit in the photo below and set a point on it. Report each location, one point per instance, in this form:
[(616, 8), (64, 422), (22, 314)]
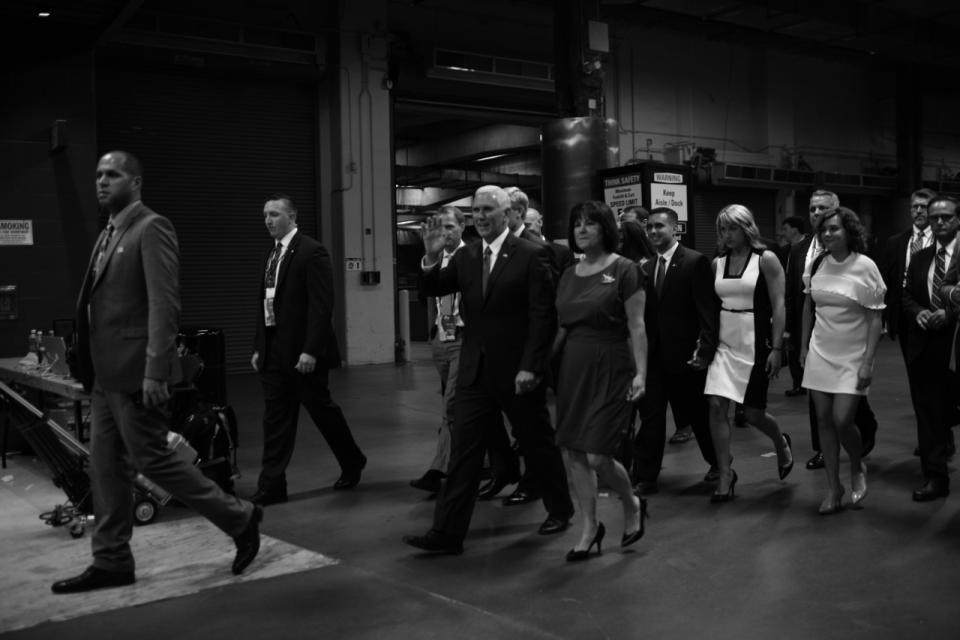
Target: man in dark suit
[(895, 260), (510, 320), (128, 316), (533, 221), (294, 349), (800, 260), (681, 317), (929, 325), (792, 229)]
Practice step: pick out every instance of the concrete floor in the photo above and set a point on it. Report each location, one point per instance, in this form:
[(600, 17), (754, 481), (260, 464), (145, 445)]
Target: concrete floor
[(764, 566)]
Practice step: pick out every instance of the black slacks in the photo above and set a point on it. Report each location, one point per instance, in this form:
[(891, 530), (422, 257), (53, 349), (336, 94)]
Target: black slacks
[(932, 388), (284, 391), (683, 390), (477, 415)]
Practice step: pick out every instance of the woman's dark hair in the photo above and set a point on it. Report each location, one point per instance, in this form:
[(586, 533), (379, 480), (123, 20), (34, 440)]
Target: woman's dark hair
[(634, 243), (852, 229), (600, 213)]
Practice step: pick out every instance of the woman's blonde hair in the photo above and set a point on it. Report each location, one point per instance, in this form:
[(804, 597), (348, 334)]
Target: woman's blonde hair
[(740, 216)]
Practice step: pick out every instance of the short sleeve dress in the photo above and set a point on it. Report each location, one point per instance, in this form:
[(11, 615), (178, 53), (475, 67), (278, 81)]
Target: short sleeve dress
[(596, 365), (844, 293), (738, 370)]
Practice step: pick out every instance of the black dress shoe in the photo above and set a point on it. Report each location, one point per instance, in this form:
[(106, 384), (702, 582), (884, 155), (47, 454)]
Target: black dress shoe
[(267, 497), (520, 497), (495, 485), (248, 542), (435, 542), (431, 481), (93, 578), (350, 478), (816, 462), (553, 525), (796, 391), (932, 490)]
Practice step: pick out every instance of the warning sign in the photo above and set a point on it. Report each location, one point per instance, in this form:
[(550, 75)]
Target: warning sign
[(16, 232)]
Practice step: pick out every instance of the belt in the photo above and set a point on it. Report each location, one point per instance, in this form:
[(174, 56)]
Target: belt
[(736, 310)]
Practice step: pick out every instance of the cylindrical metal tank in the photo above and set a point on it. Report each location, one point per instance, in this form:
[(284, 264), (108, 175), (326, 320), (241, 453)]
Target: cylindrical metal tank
[(573, 149)]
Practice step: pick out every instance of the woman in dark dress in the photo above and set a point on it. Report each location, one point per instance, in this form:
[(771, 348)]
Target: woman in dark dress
[(603, 348)]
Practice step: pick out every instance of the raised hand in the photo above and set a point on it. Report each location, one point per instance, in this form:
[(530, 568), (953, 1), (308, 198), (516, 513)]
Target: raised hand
[(434, 237)]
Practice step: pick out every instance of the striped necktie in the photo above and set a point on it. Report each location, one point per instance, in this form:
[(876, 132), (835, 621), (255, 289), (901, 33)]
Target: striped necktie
[(271, 275), (939, 268), (102, 248)]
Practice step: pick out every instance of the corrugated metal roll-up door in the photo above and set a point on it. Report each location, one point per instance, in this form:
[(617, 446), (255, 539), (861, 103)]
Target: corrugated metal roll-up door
[(213, 149), (707, 203)]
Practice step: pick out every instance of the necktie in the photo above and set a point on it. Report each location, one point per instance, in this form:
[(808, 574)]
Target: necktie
[(445, 303), (938, 270), (916, 244), (271, 276), (661, 273), (486, 270), (102, 248)]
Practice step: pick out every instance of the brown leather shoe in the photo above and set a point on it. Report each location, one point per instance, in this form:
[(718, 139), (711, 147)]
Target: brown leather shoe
[(94, 578)]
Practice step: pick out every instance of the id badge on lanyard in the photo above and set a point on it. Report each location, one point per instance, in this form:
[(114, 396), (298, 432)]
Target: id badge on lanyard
[(269, 318), (447, 331)]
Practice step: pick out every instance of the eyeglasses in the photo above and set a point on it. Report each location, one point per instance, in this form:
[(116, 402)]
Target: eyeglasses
[(945, 218)]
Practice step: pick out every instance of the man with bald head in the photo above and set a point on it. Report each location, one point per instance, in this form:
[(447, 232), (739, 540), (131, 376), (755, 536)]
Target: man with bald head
[(507, 306), (128, 317)]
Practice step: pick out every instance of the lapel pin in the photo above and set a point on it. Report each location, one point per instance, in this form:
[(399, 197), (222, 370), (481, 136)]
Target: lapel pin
[(119, 249), (607, 279)]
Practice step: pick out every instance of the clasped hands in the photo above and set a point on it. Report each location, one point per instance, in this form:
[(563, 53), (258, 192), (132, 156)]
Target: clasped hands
[(932, 320)]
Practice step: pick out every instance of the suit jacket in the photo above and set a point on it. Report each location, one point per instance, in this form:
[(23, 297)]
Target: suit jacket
[(563, 255), (128, 315), (512, 327), (932, 346), (551, 258), (687, 311), (793, 289), (892, 267), (302, 305)]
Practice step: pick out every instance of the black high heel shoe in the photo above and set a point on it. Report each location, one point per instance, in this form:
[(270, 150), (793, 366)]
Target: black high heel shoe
[(575, 555), (785, 470), (629, 538), (729, 495)]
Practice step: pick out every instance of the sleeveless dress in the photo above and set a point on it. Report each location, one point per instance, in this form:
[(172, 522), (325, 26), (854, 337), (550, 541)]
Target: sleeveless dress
[(596, 365), (844, 293), (738, 370)]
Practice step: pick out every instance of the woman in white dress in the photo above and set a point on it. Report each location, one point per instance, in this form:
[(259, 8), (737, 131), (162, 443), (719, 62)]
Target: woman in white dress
[(841, 328), (750, 283)]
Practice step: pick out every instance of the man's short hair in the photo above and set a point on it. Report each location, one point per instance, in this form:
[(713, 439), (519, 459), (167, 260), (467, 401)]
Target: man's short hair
[(667, 211), (518, 197), (642, 213), (797, 222), (823, 193), (495, 192), (287, 202), (455, 211), (925, 194), (943, 198), (131, 163)]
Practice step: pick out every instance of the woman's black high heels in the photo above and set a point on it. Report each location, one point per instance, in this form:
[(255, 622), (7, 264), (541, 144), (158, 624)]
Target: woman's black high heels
[(575, 555), (729, 495), (629, 538), (785, 470)]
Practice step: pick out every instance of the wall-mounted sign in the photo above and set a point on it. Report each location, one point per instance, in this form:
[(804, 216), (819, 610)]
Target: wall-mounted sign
[(16, 232), (620, 192), (668, 190)]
